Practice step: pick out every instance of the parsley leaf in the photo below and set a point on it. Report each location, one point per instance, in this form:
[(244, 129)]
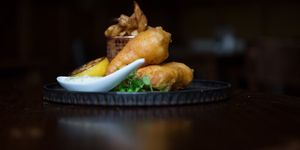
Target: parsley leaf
[(132, 83)]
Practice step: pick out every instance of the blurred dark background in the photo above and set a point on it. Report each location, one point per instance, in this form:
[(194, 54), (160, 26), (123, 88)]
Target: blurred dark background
[(253, 44)]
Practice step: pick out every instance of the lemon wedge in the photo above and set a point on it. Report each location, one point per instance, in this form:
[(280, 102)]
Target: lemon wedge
[(93, 68)]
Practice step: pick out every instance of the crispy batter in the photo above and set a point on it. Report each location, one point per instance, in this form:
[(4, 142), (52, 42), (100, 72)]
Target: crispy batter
[(151, 44), (128, 23), (113, 30), (184, 74), (123, 20), (140, 18), (134, 32), (172, 75), (162, 78), (132, 25)]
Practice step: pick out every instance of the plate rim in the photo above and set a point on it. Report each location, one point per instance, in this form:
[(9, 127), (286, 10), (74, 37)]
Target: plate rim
[(226, 85)]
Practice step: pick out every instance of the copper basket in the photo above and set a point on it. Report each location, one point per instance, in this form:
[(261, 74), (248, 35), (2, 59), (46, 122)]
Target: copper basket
[(115, 45)]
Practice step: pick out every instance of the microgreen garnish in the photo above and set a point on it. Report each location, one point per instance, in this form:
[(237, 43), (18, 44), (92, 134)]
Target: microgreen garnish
[(135, 84)]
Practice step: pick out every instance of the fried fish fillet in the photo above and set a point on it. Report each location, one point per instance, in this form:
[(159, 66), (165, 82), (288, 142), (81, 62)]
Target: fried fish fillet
[(173, 75), (152, 45), (162, 78), (184, 74)]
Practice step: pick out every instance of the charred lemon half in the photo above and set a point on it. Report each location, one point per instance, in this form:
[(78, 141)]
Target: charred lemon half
[(95, 67)]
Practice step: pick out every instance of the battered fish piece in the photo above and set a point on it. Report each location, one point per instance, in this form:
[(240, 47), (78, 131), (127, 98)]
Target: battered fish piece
[(162, 78), (152, 45), (172, 75), (184, 74)]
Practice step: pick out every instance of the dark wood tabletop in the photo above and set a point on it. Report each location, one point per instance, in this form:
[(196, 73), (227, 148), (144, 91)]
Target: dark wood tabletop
[(244, 121)]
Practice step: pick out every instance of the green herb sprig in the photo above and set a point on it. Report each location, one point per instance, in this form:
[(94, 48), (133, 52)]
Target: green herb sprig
[(135, 84)]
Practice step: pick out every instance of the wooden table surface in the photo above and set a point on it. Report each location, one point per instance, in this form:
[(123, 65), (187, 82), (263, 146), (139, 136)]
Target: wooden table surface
[(245, 121)]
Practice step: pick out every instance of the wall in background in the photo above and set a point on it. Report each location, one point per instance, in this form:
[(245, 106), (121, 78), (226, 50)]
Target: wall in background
[(38, 37)]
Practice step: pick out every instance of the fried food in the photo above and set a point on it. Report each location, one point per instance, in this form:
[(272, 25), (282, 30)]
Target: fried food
[(162, 78), (95, 67), (172, 75), (132, 25), (184, 74), (113, 30), (141, 19), (152, 45)]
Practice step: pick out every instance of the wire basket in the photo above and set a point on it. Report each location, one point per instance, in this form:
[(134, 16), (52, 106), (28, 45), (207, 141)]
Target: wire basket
[(115, 45)]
